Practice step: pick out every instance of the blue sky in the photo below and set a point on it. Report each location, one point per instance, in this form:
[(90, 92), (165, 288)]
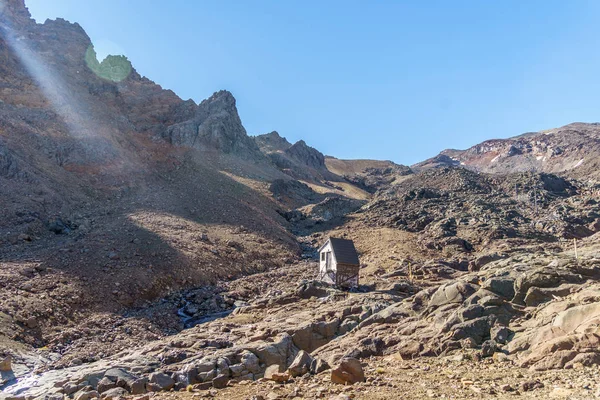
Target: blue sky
[(397, 80)]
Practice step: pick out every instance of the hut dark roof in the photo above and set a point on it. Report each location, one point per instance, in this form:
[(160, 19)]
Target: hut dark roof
[(344, 251)]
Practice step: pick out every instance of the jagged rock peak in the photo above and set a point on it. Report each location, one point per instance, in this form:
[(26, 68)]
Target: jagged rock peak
[(274, 135), (301, 144), (223, 99), (15, 17), (306, 154), (216, 125), (15, 12), (272, 141)]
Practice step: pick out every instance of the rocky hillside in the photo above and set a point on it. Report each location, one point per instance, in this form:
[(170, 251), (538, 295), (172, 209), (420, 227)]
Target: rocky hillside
[(298, 160), (148, 244), (460, 208), (573, 149), (116, 192)]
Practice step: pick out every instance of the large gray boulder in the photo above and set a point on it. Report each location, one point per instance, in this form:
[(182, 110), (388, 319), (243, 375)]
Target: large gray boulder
[(250, 361), (164, 381), (279, 352)]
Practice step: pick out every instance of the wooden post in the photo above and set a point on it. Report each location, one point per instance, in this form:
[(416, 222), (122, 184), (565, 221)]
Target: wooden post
[(575, 244)]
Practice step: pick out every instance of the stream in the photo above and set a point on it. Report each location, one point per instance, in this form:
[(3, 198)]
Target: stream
[(189, 321), (24, 381)]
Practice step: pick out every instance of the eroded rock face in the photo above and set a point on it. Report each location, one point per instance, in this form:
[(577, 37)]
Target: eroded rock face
[(482, 311), (216, 125)]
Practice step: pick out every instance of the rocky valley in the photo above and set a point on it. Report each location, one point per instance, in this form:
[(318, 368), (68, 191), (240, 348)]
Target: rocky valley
[(151, 248)]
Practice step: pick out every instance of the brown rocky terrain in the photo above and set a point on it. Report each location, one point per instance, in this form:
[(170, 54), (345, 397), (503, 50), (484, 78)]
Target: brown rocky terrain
[(572, 149), (150, 247)]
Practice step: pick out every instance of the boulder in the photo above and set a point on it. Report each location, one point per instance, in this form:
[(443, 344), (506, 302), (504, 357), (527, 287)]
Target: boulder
[(222, 366), (162, 380), (58, 226), (303, 337), (347, 326), (577, 319), (410, 349), (187, 376), (585, 359), (115, 393), (207, 376), (250, 361), (349, 371), (327, 329), (308, 289), (480, 261), (455, 292), (301, 364), (500, 334), (220, 381), (106, 384), (471, 312), (477, 329), (153, 387), (121, 377), (236, 370), (501, 286), (203, 386), (139, 386), (488, 348), (318, 365), (551, 353), (205, 366), (544, 277), (70, 387), (536, 296), (277, 352)]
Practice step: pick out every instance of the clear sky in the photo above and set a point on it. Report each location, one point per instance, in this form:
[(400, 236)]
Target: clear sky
[(397, 80)]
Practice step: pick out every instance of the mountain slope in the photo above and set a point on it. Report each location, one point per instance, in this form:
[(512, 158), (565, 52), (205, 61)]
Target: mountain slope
[(131, 215), (573, 149)]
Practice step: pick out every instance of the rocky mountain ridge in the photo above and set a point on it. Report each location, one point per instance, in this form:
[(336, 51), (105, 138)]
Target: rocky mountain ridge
[(573, 149)]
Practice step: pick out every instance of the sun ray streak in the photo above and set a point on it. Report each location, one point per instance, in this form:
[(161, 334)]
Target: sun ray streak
[(54, 89)]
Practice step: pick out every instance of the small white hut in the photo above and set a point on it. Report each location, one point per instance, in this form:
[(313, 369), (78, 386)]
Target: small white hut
[(339, 263)]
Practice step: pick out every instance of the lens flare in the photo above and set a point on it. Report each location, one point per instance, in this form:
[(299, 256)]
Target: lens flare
[(52, 86), (112, 68)]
